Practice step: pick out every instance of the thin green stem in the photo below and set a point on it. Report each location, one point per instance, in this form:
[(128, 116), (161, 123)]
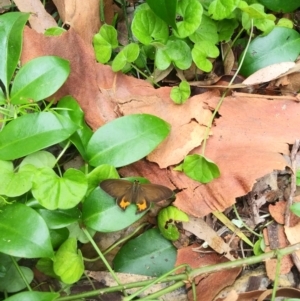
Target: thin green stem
[(276, 280), (20, 273)]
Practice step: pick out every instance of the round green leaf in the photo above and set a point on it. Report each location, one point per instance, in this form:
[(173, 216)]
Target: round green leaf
[(68, 262), (181, 93), (54, 31), (32, 132), (176, 51), (100, 212), (201, 52), (200, 168), (38, 79), (33, 296), (11, 38), (191, 13), (104, 42), (127, 55), (166, 221), (54, 192), (15, 183), (58, 236), (147, 27), (39, 159), (126, 139), (149, 254), (24, 232), (221, 9), (280, 45)]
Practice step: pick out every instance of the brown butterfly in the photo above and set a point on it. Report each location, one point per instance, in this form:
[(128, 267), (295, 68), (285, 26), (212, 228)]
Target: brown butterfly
[(127, 192)]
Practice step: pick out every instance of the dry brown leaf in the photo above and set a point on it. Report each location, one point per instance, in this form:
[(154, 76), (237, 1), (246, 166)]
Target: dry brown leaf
[(268, 73), (293, 236), (39, 19), (82, 16), (248, 138), (229, 57), (215, 281)]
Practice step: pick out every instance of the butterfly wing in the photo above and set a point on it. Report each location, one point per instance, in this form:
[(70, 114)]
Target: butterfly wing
[(155, 192), (119, 189)]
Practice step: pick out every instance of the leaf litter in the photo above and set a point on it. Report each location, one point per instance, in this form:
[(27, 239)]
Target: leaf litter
[(250, 138)]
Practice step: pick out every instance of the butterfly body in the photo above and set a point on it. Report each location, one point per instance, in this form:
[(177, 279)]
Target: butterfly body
[(127, 192)]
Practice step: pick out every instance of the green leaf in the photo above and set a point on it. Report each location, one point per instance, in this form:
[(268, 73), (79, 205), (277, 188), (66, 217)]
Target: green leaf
[(126, 140), (280, 45), (191, 13), (166, 221), (176, 51), (149, 254), (77, 232), (11, 38), (201, 52), (207, 31), (99, 174), (12, 281), (54, 192), (24, 232), (221, 9), (284, 22), (56, 219), (39, 159), (68, 263), (33, 296), (100, 212), (298, 177), (257, 247), (104, 42), (32, 132), (260, 19), (2, 97), (165, 9), (71, 109), (295, 208), (38, 79), (45, 265), (181, 93), (15, 183), (200, 168), (148, 28), (226, 29), (127, 55), (58, 236), (54, 31), (286, 6)]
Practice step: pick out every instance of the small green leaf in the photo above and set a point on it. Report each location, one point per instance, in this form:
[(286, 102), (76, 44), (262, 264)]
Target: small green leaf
[(284, 22), (165, 9), (200, 168), (295, 208), (226, 29), (201, 52), (76, 231), (23, 232), (176, 51), (181, 93), (280, 45), (149, 254), (33, 296), (54, 192), (32, 132), (191, 13), (11, 37), (70, 108), (127, 55), (148, 28), (38, 79), (207, 31), (39, 159), (104, 42), (100, 212), (221, 9), (15, 183), (166, 221), (298, 177), (257, 247), (54, 31), (126, 140), (68, 263), (58, 236)]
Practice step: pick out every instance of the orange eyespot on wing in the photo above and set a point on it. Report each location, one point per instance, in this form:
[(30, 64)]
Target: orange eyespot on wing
[(142, 205), (123, 203)]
